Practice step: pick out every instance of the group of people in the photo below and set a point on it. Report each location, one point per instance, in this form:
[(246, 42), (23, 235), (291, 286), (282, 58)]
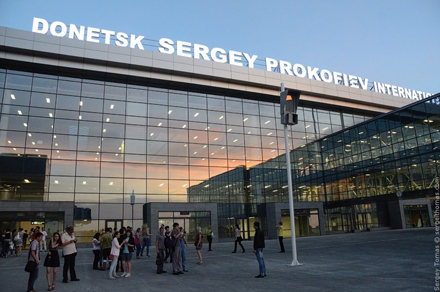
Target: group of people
[(67, 242), (114, 250), (15, 241)]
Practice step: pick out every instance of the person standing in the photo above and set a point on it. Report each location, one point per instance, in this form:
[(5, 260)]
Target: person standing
[(183, 246), (53, 259), (199, 244), (146, 241), (18, 239), (160, 246), (281, 235), (96, 247), (34, 255), (168, 250), (258, 249), (137, 242), (116, 247), (69, 250), (121, 239), (25, 237), (106, 247), (209, 237), (43, 241), (31, 235), (8, 243), (176, 236), (127, 254), (238, 238)]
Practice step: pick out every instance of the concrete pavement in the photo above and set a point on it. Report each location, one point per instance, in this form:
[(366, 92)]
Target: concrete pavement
[(393, 260)]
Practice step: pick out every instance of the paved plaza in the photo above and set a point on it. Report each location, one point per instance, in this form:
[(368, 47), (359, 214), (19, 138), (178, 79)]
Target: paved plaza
[(392, 260)]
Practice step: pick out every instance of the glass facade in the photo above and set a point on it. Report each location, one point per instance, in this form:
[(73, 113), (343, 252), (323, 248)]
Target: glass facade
[(356, 172), (96, 141)]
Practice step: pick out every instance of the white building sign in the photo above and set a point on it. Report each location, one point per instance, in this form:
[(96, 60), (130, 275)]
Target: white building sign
[(197, 51)]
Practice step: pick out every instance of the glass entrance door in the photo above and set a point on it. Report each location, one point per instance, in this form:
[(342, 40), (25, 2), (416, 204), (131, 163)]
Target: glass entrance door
[(114, 224), (244, 228)]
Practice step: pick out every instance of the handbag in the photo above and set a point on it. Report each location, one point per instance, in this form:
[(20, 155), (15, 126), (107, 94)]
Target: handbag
[(111, 257), (17, 237), (159, 260), (30, 266), (11, 245)]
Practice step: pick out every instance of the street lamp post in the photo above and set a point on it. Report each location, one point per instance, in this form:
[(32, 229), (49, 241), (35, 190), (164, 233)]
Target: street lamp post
[(132, 198), (288, 106)]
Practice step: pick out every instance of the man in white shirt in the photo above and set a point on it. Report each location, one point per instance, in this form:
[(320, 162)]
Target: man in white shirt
[(69, 251), (43, 241)]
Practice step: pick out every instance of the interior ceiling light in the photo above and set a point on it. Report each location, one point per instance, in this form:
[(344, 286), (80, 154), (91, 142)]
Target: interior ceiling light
[(19, 112), (12, 96), (47, 99), (196, 114), (245, 119), (112, 106), (170, 111)]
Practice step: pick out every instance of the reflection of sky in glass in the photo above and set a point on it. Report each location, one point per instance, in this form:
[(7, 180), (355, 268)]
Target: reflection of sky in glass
[(105, 140)]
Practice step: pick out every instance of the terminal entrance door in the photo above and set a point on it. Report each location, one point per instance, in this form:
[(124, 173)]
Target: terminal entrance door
[(113, 224), (244, 228)]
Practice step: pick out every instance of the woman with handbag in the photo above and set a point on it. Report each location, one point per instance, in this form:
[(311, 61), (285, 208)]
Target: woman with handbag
[(53, 259), (114, 254)]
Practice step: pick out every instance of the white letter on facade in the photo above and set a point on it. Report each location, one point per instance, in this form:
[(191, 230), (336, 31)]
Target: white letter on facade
[(363, 85), (250, 59), (299, 70), (326, 76), (337, 77), (313, 73), (183, 48), (74, 32), (36, 26), (136, 41), (271, 64), (221, 58), (166, 46), (234, 57), (93, 33), (53, 29), (285, 68), (108, 34), (353, 81), (201, 51), (121, 39)]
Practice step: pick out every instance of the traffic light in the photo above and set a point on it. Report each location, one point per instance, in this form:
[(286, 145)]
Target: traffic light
[(289, 100)]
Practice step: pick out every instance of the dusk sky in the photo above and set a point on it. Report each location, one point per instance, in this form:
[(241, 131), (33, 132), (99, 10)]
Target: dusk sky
[(394, 42)]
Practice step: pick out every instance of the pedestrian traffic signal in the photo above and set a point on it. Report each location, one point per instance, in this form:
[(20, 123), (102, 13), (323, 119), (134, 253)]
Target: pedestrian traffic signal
[(289, 100)]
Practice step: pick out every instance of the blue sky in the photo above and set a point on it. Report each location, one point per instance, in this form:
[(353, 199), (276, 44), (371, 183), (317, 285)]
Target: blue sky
[(395, 41)]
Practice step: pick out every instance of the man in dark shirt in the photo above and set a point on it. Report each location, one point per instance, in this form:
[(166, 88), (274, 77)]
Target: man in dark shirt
[(258, 249)]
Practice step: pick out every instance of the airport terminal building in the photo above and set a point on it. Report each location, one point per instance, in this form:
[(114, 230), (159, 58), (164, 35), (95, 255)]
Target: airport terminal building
[(85, 123)]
